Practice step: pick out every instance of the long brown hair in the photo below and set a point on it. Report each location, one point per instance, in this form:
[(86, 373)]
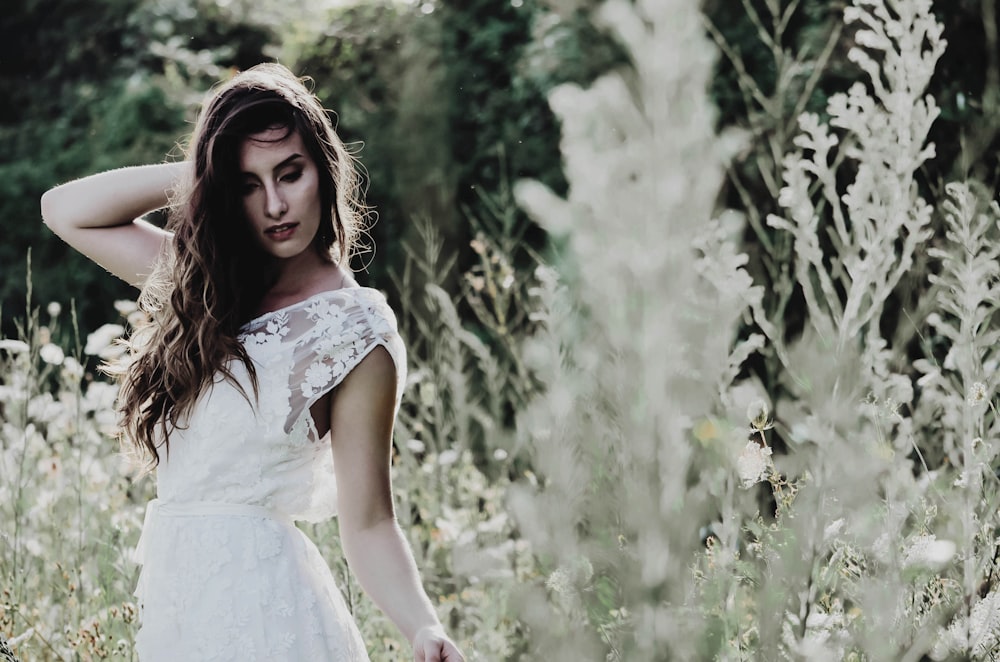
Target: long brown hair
[(210, 280)]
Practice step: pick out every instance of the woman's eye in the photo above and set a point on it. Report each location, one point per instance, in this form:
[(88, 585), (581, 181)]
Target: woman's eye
[(292, 176), (248, 188)]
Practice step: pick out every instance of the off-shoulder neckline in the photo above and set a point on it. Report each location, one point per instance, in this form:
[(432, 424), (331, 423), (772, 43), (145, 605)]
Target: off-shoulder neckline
[(302, 302)]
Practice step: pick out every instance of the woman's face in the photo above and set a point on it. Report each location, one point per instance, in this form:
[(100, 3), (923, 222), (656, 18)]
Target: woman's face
[(280, 189)]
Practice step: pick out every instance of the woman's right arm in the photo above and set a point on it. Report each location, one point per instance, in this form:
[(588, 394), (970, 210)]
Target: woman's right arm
[(99, 216)]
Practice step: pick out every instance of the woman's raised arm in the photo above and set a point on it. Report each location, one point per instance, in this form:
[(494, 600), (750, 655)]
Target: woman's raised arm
[(99, 216)]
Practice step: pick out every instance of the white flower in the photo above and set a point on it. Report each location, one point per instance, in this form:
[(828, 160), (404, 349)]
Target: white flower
[(449, 456), (428, 394), (499, 455), (102, 338), (100, 396), (54, 309), (126, 307), (757, 414), (977, 394), (136, 318), (52, 354), (754, 463), (415, 445), (926, 551), (50, 467), (72, 370), (13, 346)]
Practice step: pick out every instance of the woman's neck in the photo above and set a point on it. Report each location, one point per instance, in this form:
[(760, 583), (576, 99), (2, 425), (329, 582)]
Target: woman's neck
[(301, 277)]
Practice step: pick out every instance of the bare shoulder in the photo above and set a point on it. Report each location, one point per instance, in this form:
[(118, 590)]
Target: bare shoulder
[(375, 374)]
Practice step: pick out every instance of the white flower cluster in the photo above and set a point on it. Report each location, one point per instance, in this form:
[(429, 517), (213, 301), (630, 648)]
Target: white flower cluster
[(754, 463), (977, 635)]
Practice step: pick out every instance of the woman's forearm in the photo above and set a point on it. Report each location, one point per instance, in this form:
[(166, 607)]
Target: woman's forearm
[(380, 558), (111, 198), (96, 214)]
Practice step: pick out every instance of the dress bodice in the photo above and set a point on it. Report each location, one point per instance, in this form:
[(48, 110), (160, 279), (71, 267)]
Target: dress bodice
[(264, 450)]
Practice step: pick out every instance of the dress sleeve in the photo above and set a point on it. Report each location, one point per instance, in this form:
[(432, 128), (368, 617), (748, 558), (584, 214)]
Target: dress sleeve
[(336, 337)]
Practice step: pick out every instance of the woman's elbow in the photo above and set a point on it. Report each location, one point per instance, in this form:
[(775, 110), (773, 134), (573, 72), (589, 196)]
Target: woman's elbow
[(55, 210), (50, 208)]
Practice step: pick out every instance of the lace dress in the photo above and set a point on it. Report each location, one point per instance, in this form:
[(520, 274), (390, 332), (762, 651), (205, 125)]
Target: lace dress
[(226, 575)]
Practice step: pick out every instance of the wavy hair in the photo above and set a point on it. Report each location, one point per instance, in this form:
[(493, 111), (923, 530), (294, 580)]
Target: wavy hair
[(209, 280)]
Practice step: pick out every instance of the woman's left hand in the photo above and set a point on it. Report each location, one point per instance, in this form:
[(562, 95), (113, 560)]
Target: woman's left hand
[(431, 644)]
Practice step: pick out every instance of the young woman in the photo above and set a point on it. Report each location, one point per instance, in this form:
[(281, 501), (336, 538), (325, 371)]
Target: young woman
[(263, 352)]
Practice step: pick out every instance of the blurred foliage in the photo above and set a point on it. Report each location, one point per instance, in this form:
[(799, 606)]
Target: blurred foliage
[(447, 98), (88, 87), (449, 101)]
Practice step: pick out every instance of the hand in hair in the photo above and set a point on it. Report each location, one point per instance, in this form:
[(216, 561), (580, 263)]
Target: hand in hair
[(99, 216)]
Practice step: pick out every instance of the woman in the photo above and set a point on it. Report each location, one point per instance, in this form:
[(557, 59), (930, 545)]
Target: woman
[(262, 353)]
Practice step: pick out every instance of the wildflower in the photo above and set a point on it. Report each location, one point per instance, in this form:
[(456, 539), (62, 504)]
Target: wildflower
[(13, 346), (558, 581), (977, 394), (101, 339), (137, 318), (415, 445), (705, 430), (567, 580), (53, 309), (547, 276), (50, 467), (499, 455), (52, 354), (449, 456), (754, 463), (926, 551), (100, 397), (126, 307), (757, 414), (72, 370), (428, 394)]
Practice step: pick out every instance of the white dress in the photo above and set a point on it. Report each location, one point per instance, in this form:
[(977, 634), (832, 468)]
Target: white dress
[(226, 575)]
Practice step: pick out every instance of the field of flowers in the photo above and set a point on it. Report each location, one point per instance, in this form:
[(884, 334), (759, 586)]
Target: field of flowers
[(632, 454)]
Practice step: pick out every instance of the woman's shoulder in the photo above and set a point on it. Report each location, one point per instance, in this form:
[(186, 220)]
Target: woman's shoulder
[(322, 312)]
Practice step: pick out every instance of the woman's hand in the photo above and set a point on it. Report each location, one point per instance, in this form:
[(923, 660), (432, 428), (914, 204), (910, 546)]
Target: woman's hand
[(431, 644)]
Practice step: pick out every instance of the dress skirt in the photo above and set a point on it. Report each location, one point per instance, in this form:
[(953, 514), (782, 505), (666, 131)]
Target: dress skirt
[(237, 582)]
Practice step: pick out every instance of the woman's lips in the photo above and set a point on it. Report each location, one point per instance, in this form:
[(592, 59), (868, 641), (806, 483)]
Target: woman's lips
[(281, 232)]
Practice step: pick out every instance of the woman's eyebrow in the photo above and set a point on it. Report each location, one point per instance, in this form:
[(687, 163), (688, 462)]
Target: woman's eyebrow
[(288, 161), (285, 162)]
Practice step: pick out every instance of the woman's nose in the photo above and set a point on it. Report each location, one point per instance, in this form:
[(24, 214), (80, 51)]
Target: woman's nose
[(275, 205)]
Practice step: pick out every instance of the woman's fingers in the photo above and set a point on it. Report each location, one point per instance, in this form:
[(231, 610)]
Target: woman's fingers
[(438, 650)]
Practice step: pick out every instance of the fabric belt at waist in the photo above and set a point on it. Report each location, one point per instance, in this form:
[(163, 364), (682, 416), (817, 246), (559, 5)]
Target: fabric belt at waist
[(157, 509)]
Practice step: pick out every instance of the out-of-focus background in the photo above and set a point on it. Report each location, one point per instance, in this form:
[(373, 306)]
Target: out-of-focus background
[(448, 100), (699, 300)]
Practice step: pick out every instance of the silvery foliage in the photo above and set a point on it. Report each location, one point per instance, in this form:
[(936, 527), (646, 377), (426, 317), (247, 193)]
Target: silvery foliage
[(638, 341), (852, 250)]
